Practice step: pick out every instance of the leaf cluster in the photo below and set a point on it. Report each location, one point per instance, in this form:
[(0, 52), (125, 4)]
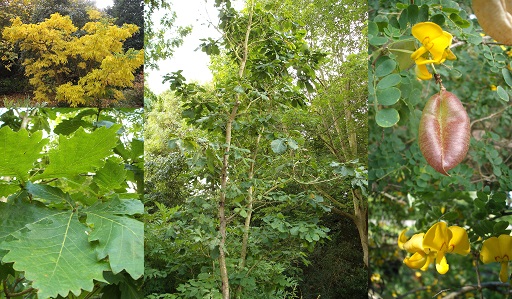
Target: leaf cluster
[(69, 200)]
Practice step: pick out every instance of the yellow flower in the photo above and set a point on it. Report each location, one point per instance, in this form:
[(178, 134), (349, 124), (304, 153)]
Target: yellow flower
[(434, 41), (421, 257), (498, 250), (375, 277), (443, 239), (493, 87), (421, 70)]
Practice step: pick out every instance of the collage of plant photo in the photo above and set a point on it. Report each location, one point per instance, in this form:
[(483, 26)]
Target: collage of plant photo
[(255, 149)]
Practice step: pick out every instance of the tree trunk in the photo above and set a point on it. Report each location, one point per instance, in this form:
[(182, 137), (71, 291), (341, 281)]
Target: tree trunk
[(361, 221), (222, 205), (247, 225), (225, 164)]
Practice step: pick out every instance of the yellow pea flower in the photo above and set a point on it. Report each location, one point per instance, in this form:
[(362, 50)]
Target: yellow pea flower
[(421, 258), (421, 70), (498, 250), (434, 41), (444, 239)]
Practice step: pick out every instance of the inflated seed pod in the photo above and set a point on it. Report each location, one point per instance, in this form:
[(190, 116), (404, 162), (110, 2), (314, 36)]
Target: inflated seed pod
[(495, 17), (444, 131)]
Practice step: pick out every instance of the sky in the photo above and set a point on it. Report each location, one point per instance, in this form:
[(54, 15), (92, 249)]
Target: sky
[(194, 64), (104, 3)]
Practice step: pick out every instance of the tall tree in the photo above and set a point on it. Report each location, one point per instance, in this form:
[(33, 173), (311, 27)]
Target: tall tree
[(264, 53), (75, 9), (11, 71), (130, 12), (337, 26)]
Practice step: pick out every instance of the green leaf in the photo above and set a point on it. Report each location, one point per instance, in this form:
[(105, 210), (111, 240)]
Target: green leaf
[(502, 93), (239, 89), (378, 41), (126, 249), (384, 66), (451, 216), (389, 81), (111, 176), (500, 226), (438, 19), (47, 193), (412, 12), (81, 153), (459, 21), (15, 214), (278, 146), (19, 152), (479, 204), (373, 29), (8, 189), (292, 144), (68, 126), (66, 261), (210, 159), (388, 96), (403, 51), (387, 117), (137, 149), (507, 76), (474, 39), (423, 13)]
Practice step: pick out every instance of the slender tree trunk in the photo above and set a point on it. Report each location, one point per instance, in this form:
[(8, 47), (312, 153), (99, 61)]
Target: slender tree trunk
[(222, 204), (339, 134), (224, 171), (351, 134), (250, 202), (361, 221)]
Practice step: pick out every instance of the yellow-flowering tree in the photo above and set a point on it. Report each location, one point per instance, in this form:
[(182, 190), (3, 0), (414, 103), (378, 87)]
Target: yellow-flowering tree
[(78, 67)]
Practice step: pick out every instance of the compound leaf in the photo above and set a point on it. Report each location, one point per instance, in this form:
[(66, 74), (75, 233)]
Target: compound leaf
[(56, 255)]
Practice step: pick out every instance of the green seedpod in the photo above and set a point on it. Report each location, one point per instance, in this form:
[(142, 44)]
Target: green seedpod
[(444, 131)]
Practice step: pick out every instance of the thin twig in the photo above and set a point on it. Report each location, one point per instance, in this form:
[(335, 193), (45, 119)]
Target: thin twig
[(490, 116)]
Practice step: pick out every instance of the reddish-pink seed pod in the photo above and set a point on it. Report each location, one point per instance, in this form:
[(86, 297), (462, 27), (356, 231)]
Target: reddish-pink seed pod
[(444, 131)]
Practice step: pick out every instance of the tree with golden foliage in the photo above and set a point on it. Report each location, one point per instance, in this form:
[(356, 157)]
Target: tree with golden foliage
[(72, 65)]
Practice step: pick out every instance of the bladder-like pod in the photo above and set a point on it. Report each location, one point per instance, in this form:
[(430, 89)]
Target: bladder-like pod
[(444, 131)]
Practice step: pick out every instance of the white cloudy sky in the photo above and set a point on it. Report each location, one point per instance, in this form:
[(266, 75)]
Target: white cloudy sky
[(104, 3), (193, 63)]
